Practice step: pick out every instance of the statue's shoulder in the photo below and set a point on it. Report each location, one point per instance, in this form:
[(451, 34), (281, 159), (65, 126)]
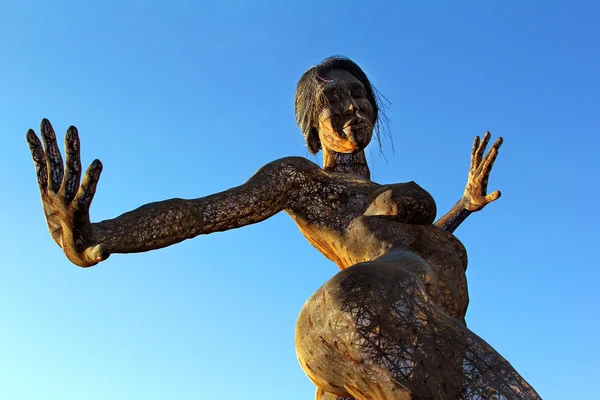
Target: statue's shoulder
[(294, 170), (294, 164)]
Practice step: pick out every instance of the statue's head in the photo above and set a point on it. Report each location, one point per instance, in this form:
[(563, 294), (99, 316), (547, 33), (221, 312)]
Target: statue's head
[(336, 106)]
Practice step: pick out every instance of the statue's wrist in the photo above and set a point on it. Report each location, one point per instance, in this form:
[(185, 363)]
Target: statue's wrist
[(464, 203)]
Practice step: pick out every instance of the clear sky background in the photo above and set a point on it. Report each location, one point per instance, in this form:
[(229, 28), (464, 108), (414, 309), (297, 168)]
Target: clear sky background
[(187, 98)]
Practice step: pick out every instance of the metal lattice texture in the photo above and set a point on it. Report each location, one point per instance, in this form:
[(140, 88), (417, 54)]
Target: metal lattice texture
[(373, 332)]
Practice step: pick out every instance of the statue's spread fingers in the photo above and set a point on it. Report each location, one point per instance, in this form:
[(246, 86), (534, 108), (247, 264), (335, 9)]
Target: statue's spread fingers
[(54, 159), (72, 176), (493, 196), (488, 161), (498, 143), (481, 148), (473, 153), (85, 194), (39, 159)]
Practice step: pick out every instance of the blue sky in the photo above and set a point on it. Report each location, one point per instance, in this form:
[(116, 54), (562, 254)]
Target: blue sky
[(184, 99)]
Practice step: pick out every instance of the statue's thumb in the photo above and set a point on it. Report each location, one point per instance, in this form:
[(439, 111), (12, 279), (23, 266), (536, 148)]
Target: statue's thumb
[(96, 254)]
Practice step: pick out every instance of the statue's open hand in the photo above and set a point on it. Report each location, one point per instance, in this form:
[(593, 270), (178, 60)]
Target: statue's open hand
[(66, 203), (475, 197)]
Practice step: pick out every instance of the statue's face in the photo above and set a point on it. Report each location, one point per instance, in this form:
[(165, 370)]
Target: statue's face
[(345, 124)]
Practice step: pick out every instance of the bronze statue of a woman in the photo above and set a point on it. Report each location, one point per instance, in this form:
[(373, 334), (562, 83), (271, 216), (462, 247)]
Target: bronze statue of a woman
[(391, 324)]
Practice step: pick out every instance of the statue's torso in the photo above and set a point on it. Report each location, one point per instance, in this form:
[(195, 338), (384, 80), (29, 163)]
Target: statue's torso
[(350, 220)]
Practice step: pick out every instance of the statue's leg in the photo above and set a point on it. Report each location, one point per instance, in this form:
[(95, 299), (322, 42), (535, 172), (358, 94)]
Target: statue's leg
[(372, 333)]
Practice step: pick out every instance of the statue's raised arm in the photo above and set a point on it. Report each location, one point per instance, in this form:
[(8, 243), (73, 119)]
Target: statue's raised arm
[(475, 196), (66, 204)]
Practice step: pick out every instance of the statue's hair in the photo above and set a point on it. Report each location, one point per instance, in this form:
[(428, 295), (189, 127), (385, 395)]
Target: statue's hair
[(310, 99)]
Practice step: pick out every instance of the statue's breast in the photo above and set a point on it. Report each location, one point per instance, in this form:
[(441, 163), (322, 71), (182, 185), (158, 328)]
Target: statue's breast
[(358, 221), (403, 202)]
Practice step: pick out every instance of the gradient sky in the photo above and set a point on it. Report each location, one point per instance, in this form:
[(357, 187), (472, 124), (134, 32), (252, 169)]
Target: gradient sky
[(187, 98)]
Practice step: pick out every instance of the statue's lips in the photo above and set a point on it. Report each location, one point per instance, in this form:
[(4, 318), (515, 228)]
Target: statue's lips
[(356, 127)]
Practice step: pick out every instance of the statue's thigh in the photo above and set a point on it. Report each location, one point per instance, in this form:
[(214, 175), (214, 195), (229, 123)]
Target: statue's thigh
[(371, 333)]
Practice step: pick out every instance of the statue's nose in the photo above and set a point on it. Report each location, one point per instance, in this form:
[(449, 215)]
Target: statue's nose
[(350, 106)]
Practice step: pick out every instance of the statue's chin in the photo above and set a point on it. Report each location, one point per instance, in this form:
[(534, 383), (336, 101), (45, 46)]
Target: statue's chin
[(353, 150), (348, 141), (361, 139)]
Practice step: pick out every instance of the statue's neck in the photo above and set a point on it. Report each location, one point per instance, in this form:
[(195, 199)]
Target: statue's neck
[(355, 164)]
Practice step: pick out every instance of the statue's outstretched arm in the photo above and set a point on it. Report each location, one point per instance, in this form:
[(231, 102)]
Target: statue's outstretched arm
[(164, 223), (474, 197), (66, 204)]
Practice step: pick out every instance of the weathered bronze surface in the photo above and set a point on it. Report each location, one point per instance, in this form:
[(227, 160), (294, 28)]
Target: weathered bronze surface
[(391, 324)]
